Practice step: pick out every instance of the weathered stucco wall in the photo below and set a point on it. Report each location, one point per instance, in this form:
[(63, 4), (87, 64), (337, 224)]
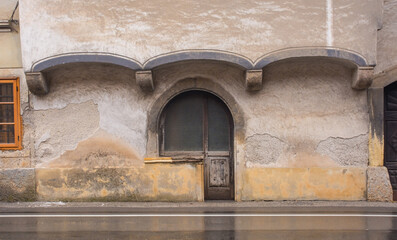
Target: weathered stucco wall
[(303, 136), (307, 119), (85, 101), (17, 185), (385, 74), (142, 30), (307, 115), (387, 37)]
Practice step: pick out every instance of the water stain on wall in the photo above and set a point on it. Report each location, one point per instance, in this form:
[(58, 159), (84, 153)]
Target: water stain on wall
[(99, 152), (310, 159)]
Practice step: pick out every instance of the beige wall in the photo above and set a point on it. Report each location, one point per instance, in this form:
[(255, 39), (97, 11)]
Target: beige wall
[(6, 8), (10, 46), (306, 128), (306, 117), (387, 38), (10, 49), (142, 30)]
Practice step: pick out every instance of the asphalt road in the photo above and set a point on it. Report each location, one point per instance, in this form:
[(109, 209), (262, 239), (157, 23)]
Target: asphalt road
[(199, 223)]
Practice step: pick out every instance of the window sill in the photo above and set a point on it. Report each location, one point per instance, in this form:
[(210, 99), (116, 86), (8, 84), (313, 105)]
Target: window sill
[(179, 159)]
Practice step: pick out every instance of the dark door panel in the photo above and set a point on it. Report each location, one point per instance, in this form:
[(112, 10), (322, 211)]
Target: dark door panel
[(390, 134)]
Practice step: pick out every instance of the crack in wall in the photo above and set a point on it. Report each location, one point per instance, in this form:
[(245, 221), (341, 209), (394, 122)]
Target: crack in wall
[(263, 134), (342, 138)]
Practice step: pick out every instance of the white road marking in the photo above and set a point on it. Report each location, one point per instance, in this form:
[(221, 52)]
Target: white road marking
[(330, 16), (193, 215)]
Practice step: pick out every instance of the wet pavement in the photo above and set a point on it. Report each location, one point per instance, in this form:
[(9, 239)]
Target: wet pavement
[(198, 221)]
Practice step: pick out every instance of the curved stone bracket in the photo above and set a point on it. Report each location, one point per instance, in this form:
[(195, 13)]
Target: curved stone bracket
[(253, 80), (144, 79), (38, 84), (50, 62), (272, 57), (362, 77), (188, 55)]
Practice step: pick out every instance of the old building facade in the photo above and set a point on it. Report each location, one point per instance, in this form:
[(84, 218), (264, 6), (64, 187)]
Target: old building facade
[(198, 100)]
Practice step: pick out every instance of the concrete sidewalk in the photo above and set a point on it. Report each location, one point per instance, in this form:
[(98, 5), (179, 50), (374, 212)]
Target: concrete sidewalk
[(209, 206)]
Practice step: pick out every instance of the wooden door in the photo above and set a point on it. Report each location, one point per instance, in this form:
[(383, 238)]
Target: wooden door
[(218, 178), (199, 124), (391, 135), (218, 164)]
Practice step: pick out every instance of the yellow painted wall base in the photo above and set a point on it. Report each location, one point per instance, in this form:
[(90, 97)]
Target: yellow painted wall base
[(154, 182), (304, 184), (184, 182)]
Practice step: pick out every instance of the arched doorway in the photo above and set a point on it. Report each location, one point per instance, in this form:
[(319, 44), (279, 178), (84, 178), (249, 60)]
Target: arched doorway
[(197, 124), (390, 128)]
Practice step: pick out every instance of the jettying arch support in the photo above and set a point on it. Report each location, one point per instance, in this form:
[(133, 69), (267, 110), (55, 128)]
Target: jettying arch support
[(362, 71)]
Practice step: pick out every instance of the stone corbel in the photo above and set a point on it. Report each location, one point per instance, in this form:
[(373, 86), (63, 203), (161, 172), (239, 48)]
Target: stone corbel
[(144, 79), (362, 77), (38, 84), (253, 80)]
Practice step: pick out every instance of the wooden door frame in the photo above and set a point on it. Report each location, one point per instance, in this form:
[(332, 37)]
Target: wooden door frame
[(206, 153), (389, 116), (207, 84)]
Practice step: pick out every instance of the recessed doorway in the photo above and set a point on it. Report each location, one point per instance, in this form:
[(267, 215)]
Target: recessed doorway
[(198, 124)]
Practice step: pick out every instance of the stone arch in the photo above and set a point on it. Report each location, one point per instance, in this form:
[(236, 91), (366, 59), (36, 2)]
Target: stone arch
[(200, 84)]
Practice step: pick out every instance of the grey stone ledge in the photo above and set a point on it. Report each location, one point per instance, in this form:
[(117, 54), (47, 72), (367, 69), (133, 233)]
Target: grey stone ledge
[(253, 80), (38, 84), (144, 79), (362, 78)]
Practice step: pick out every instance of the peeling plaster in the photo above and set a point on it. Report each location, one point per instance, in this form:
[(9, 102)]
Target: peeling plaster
[(120, 103), (346, 151), (59, 130), (263, 150)]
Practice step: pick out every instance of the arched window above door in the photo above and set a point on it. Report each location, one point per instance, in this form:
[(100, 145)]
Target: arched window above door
[(195, 123)]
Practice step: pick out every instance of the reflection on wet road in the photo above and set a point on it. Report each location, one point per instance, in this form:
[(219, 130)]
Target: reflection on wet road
[(213, 220), (199, 225)]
